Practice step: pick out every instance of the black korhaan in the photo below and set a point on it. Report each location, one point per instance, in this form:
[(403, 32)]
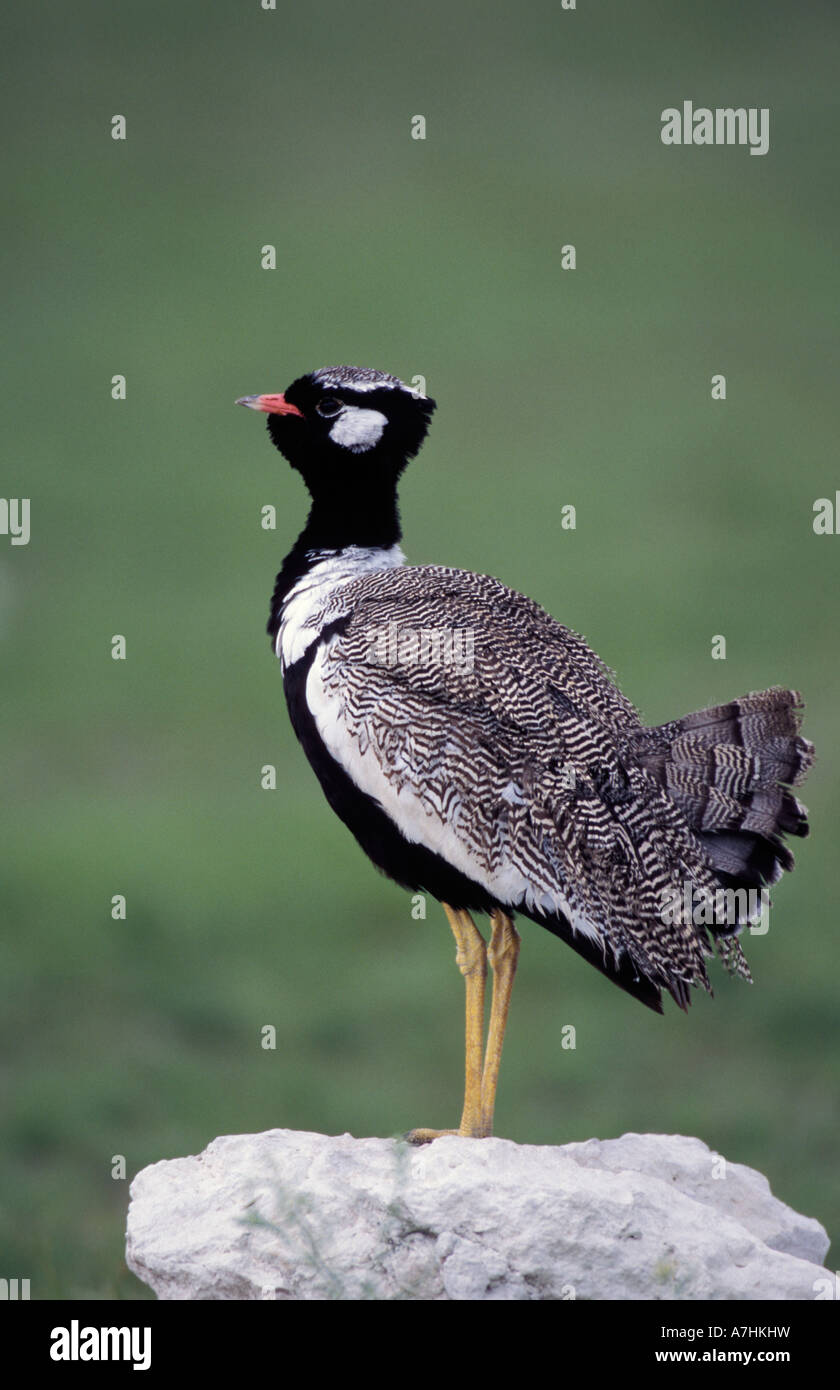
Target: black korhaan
[(482, 753)]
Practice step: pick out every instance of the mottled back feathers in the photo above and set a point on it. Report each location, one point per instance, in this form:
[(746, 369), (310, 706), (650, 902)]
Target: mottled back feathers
[(512, 752)]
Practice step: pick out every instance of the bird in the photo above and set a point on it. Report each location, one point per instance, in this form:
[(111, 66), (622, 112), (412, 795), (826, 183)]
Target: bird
[(482, 754)]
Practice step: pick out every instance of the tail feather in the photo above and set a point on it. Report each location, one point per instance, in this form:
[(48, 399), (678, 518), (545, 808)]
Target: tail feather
[(730, 769)]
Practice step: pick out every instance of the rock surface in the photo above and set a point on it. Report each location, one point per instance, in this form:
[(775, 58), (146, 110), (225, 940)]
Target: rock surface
[(286, 1215)]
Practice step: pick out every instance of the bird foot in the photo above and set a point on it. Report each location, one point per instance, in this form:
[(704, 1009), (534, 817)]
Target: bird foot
[(425, 1136)]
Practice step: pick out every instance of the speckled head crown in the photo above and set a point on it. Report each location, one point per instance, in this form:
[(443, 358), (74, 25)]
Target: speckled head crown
[(362, 379)]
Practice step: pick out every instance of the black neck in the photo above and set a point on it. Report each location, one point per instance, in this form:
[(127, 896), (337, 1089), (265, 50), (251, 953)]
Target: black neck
[(345, 515), (338, 519)]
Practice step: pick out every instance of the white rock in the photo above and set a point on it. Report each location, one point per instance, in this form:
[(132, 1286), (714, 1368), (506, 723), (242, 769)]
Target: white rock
[(290, 1215)]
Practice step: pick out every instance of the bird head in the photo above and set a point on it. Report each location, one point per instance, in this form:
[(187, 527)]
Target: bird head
[(339, 424)]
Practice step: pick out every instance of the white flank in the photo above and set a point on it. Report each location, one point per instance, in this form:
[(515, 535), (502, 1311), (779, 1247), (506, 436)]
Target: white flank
[(303, 615), (358, 429), (417, 818)]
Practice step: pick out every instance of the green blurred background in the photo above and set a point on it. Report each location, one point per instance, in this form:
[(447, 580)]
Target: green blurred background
[(442, 257)]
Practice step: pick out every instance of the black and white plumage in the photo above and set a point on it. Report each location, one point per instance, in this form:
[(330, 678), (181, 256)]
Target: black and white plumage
[(505, 772)]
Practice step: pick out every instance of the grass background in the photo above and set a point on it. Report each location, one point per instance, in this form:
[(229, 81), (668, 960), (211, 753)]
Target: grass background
[(592, 387)]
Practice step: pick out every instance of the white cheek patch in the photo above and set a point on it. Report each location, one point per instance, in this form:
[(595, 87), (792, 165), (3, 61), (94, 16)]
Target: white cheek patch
[(358, 429)]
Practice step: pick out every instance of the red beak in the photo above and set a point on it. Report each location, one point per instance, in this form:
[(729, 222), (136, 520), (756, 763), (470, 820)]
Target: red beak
[(272, 405)]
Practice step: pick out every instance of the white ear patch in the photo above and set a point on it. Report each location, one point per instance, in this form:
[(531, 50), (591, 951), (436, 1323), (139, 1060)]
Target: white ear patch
[(358, 429)]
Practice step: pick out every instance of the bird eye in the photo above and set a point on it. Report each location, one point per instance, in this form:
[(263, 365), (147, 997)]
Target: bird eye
[(329, 407)]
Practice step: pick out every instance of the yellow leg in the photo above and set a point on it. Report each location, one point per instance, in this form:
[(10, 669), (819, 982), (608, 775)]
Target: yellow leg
[(503, 953), (471, 956), (471, 959)]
